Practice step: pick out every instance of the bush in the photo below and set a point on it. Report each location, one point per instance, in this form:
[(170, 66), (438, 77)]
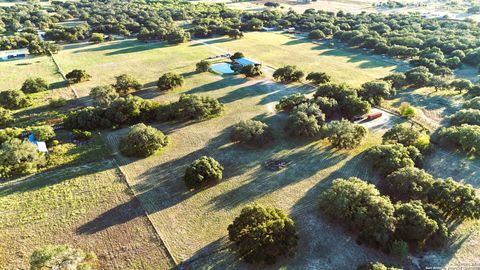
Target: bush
[(328, 105), (6, 117), (7, 134), (202, 171), (19, 158), (407, 136), (251, 71), (177, 36), (418, 76), (388, 158), (407, 110), (237, 55), (465, 137), (316, 34), (97, 38), (408, 183), (62, 257), (398, 80), (126, 83), (461, 84), (82, 135), (192, 107), (142, 141), (77, 76), (57, 102), (466, 116), (289, 102), (251, 132), (263, 234), (169, 81), (43, 133), (318, 77), (203, 66), (359, 206), (345, 135), (399, 249), (288, 74), (103, 96), (34, 85), (376, 266), (14, 99)]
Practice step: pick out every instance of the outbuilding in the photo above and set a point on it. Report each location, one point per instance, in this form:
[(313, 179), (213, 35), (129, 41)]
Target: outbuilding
[(245, 62)]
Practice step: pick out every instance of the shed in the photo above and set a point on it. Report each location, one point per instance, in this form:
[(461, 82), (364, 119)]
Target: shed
[(41, 146), (246, 61)]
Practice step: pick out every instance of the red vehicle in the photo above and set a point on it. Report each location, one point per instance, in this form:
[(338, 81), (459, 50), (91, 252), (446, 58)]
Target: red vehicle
[(374, 115)]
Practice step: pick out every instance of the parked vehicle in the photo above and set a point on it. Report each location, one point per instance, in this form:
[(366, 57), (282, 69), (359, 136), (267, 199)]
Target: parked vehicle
[(374, 115)]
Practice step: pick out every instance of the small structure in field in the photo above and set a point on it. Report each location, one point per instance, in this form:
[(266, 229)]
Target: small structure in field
[(245, 62), (41, 146), (290, 30)]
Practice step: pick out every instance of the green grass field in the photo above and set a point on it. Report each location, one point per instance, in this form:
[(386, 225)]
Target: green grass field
[(193, 224)]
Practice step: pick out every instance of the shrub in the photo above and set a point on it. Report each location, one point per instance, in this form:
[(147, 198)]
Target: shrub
[(34, 85), (97, 38), (142, 141), (126, 83), (62, 257), (418, 76), (7, 134), (251, 132), (388, 158), (289, 102), (203, 66), (316, 34), (327, 105), (82, 135), (237, 55), (359, 206), (6, 117), (43, 133), (14, 99), (192, 107), (263, 234), (408, 183), (203, 171), (406, 110), (19, 158), (345, 135), (407, 136), (399, 249), (103, 96), (251, 70), (177, 36), (465, 137), (57, 102), (466, 116), (318, 77), (77, 76), (288, 74), (169, 81), (461, 84), (398, 80), (376, 266)]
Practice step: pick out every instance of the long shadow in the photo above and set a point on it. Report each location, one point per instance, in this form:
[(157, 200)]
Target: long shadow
[(297, 41), (115, 216), (426, 102), (226, 81), (123, 47), (57, 85), (216, 255), (210, 41), (284, 90)]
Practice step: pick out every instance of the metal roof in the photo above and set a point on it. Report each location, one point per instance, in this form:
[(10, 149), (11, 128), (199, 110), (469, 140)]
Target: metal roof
[(246, 61)]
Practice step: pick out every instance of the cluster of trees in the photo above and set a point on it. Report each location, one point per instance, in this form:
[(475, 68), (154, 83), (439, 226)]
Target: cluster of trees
[(131, 110), (415, 209), (288, 74), (464, 132), (251, 132), (77, 76)]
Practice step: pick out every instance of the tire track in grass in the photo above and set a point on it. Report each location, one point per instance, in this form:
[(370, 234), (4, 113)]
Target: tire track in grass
[(119, 162)]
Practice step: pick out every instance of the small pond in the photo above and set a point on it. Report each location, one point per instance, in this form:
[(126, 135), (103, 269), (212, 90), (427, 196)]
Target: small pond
[(223, 68)]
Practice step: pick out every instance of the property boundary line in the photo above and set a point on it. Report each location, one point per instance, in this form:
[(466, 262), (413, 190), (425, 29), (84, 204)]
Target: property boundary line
[(59, 70), (172, 261)]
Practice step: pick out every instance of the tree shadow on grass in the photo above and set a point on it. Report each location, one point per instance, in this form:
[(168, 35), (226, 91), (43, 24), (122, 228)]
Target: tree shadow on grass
[(210, 41), (226, 81), (124, 47), (282, 90), (297, 41)]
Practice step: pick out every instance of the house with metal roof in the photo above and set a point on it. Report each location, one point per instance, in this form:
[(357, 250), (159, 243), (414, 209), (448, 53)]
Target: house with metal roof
[(246, 61)]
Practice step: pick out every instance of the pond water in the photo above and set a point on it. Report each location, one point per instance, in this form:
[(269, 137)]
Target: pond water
[(223, 68)]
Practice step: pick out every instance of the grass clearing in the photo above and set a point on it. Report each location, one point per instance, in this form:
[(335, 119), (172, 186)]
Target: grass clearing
[(65, 206)]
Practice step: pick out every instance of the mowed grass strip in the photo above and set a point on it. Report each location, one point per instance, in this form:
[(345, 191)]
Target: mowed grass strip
[(88, 206)]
